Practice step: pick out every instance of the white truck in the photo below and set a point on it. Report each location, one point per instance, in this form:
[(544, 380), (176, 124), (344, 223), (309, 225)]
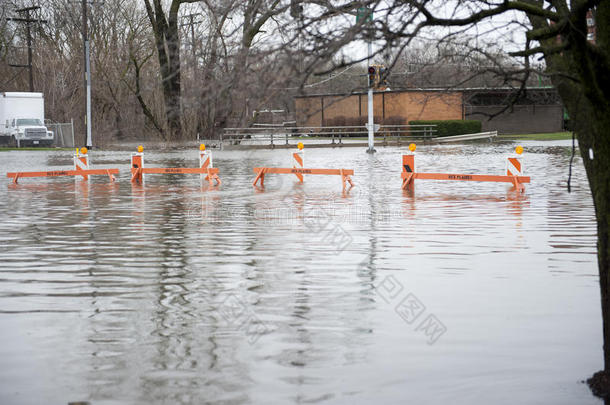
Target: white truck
[(22, 120)]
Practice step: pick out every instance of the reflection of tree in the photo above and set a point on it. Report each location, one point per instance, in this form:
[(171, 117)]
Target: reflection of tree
[(173, 319), (570, 221)]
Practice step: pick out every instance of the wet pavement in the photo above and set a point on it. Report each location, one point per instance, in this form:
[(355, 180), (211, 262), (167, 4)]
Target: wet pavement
[(171, 292)]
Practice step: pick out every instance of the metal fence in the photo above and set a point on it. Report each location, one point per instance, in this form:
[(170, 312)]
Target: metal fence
[(64, 134), (282, 135)]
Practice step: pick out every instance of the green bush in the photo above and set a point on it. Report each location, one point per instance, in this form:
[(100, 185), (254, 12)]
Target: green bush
[(452, 127)]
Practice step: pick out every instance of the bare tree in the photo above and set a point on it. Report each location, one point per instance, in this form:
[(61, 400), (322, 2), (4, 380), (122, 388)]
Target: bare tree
[(167, 40)]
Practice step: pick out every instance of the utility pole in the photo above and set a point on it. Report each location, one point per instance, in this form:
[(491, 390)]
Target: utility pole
[(27, 20), (87, 75)]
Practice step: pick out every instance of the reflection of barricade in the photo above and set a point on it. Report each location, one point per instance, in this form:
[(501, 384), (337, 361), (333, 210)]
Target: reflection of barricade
[(513, 173), (298, 170), (81, 168), (205, 161)]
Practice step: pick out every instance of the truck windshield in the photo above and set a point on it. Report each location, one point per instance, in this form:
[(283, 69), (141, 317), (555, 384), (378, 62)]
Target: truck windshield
[(28, 121)]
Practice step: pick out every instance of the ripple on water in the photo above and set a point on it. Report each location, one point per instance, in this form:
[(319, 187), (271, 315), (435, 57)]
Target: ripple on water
[(169, 294)]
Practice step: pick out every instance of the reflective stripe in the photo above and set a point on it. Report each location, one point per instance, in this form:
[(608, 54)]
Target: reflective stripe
[(513, 167), (81, 162), (298, 158), (205, 160)]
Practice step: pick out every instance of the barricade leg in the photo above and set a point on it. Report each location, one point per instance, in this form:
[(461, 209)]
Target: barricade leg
[(345, 178), (260, 177), (520, 187), (136, 175), (407, 182), (210, 177)]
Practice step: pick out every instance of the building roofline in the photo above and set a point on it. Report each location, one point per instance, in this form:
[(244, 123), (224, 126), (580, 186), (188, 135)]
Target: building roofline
[(364, 93), (432, 89)]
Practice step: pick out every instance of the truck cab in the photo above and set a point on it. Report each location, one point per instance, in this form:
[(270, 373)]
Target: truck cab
[(28, 131), (22, 120)]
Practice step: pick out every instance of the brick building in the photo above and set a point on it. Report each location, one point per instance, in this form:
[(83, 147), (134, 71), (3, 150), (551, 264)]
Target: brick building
[(537, 110), (321, 109)]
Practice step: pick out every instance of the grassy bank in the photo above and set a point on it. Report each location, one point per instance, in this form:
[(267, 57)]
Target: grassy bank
[(553, 136)]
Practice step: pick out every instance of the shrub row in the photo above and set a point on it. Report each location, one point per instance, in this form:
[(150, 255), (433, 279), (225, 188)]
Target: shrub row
[(452, 127)]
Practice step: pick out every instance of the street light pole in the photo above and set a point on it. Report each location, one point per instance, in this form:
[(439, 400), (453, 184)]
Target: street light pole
[(367, 14), (87, 75), (371, 123)]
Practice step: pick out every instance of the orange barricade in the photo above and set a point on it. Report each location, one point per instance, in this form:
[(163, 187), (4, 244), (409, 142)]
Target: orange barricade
[(81, 168), (81, 163), (514, 174), (298, 170), (138, 170), (206, 163)]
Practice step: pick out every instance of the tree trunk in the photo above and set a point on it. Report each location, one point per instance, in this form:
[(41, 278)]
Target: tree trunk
[(172, 94), (167, 42), (592, 121), (596, 157), (595, 144)]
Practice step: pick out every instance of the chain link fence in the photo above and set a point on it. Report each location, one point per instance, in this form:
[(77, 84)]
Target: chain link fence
[(64, 134)]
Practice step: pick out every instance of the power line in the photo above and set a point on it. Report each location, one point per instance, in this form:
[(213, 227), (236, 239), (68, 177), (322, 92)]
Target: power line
[(27, 20), (11, 79), (318, 83)]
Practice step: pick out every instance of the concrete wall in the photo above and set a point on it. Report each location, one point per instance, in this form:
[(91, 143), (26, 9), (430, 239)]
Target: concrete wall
[(411, 105), (520, 119)]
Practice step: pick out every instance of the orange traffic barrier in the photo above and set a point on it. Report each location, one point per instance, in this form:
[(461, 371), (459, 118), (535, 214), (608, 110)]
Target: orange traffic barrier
[(298, 170), (206, 163), (138, 170), (513, 175), (81, 168)]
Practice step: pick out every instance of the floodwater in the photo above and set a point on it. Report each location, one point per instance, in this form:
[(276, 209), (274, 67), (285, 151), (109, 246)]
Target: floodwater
[(171, 293)]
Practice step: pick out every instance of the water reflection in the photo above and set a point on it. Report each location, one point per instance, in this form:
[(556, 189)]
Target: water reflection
[(172, 292)]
